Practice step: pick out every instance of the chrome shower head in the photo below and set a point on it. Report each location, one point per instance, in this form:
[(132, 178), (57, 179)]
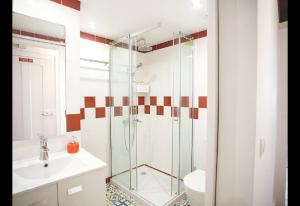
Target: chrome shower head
[(144, 47)]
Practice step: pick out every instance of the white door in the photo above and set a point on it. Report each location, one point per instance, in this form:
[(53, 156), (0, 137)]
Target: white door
[(34, 102)]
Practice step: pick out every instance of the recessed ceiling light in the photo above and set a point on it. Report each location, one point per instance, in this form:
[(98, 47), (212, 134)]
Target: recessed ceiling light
[(196, 4), (92, 25)]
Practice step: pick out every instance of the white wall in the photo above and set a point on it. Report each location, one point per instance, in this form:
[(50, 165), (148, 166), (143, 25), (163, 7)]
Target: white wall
[(212, 104), (237, 100), (95, 132), (267, 102), (281, 142), (252, 97)]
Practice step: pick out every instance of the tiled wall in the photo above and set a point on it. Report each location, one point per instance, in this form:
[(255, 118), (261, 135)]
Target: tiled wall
[(73, 120), (144, 105)]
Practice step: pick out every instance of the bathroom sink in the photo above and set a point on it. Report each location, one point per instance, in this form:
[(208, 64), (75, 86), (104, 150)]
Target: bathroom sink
[(33, 173), (45, 170)]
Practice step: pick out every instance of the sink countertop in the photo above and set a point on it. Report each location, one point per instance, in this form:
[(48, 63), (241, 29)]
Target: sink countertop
[(21, 184)]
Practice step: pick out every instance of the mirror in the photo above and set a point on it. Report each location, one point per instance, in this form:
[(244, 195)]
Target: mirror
[(38, 78)]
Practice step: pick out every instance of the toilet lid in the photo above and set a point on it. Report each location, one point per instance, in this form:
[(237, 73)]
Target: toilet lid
[(195, 180)]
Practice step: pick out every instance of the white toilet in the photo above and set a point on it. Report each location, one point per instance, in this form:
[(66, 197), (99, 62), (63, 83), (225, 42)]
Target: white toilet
[(194, 184)]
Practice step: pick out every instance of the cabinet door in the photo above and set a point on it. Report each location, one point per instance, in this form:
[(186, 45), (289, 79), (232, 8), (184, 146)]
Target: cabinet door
[(84, 190), (45, 196)]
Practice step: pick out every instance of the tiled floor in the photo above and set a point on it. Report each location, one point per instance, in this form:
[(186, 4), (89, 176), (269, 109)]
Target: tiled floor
[(154, 186), (116, 197)]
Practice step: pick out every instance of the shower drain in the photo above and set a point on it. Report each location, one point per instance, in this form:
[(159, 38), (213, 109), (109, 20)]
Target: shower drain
[(143, 173)]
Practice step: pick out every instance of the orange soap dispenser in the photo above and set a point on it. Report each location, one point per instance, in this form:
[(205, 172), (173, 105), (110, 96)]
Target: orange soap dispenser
[(73, 146)]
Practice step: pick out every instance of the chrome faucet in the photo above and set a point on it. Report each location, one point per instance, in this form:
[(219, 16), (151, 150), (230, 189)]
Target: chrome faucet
[(43, 148)]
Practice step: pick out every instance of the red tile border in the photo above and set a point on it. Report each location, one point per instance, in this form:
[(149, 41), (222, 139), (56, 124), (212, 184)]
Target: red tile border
[(118, 111), (159, 110), (89, 102), (87, 36), (26, 33), (95, 38), (202, 102), (167, 101), (82, 113), (153, 100), (162, 45), (38, 36), (74, 4), (147, 109), (73, 122), (100, 112), (194, 36), (16, 31)]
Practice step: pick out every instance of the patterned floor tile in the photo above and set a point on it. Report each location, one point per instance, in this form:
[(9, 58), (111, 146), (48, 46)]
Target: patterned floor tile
[(116, 197)]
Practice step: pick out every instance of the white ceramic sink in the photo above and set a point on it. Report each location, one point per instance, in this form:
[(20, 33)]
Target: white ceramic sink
[(32, 173), (47, 169)]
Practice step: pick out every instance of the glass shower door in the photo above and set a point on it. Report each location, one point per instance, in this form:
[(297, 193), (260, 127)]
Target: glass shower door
[(119, 103), (183, 112)]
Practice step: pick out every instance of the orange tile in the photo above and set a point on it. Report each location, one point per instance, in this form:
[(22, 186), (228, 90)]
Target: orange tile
[(167, 100), (118, 111), (73, 122), (184, 101), (174, 111), (74, 4), (100, 112), (109, 101), (153, 100), (160, 110), (89, 102), (134, 110), (147, 109), (125, 101), (82, 113), (141, 100), (194, 113), (202, 102)]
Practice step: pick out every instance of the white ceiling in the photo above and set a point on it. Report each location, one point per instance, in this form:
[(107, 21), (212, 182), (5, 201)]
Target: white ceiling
[(116, 18)]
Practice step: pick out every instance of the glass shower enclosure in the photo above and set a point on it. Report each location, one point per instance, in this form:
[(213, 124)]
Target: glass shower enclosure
[(134, 119)]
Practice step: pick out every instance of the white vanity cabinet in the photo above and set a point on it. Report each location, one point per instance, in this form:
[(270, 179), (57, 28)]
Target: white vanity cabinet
[(44, 196), (84, 190), (87, 189)]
